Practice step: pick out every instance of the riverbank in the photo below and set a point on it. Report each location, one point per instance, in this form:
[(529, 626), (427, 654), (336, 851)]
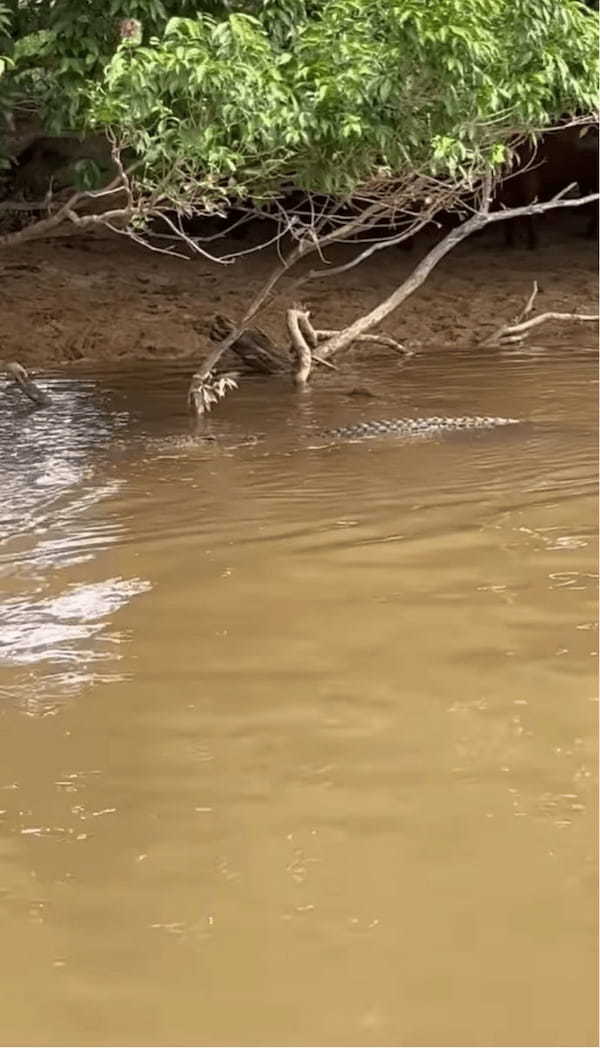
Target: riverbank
[(72, 301)]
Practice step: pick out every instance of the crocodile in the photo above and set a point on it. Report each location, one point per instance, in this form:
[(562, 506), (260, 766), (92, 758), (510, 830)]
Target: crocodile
[(397, 427), (411, 427)]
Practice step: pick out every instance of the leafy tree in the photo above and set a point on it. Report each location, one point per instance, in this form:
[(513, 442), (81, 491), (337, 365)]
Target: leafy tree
[(322, 92), (357, 87)]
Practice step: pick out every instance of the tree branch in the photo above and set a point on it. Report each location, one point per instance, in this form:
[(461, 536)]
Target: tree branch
[(67, 212), (518, 332), (423, 269), (385, 340)]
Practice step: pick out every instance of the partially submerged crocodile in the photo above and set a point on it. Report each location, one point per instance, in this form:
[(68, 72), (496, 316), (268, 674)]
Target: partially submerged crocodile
[(409, 427), (397, 427)]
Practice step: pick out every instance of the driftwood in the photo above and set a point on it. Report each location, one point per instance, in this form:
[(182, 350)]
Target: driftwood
[(518, 330), (253, 347), (20, 377)]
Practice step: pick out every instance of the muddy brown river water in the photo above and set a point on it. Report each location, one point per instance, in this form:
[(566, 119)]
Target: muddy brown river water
[(298, 741)]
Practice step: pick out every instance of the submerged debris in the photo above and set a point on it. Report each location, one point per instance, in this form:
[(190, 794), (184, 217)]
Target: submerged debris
[(20, 377), (361, 391)]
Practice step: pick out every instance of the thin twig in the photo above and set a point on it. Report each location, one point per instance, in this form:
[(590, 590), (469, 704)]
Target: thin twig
[(191, 242), (528, 305), (325, 363)]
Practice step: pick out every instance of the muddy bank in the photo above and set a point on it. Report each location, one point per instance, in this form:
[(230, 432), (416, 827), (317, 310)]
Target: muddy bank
[(100, 300)]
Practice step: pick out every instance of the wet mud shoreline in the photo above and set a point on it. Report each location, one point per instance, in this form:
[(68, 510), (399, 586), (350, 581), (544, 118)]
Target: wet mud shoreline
[(72, 301)]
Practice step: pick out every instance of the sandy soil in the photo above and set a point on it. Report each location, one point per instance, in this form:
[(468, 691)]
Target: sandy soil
[(101, 301)]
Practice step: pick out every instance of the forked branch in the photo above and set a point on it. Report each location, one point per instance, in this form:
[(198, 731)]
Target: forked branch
[(519, 332)]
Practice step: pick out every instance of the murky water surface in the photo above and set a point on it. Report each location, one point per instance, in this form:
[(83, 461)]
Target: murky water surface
[(298, 741)]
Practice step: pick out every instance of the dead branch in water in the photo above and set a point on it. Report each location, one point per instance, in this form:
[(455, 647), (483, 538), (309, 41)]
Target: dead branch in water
[(518, 332), (325, 363), (478, 221), (309, 239), (385, 340), (356, 331), (258, 351), (519, 329), (301, 333), (306, 327), (21, 379)]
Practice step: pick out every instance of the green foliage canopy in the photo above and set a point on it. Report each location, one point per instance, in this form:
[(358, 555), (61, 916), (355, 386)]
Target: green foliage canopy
[(321, 94)]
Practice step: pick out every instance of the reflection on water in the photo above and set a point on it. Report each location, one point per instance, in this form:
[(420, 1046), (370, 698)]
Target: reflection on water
[(50, 485), (45, 629), (299, 740)]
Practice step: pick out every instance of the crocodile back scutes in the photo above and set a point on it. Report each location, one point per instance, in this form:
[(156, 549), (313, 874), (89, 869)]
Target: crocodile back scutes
[(415, 426)]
